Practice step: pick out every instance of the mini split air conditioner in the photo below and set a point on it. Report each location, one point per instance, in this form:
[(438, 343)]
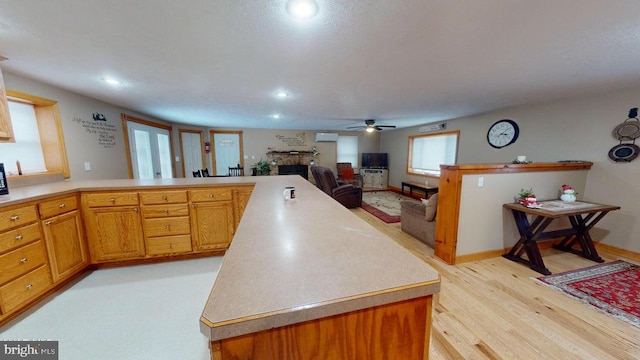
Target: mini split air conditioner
[(326, 137)]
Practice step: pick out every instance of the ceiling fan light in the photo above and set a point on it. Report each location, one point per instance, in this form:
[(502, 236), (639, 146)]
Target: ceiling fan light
[(302, 9), (370, 129)]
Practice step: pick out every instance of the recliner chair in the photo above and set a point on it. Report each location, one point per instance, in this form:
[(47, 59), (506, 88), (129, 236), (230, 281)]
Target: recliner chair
[(346, 194)]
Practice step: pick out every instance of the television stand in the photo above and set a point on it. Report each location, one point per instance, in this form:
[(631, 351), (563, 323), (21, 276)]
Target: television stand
[(375, 178)]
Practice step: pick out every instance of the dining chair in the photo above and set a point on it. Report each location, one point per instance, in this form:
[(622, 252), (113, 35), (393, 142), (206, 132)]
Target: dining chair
[(205, 172), (236, 171), (197, 174)]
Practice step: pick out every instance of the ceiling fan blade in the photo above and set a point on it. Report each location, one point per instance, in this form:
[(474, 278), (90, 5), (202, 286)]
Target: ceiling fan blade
[(356, 127), (386, 126)]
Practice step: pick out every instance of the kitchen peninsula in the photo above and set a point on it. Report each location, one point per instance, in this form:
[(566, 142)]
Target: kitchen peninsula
[(302, 278)]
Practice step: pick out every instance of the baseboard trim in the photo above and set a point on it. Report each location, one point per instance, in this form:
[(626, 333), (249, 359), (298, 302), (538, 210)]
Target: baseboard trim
[(618, 251)]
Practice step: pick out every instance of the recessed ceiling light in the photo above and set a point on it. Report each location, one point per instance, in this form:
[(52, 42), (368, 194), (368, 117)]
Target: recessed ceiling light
[(302, 9), (112, 81), (276, 116), (282, 94)]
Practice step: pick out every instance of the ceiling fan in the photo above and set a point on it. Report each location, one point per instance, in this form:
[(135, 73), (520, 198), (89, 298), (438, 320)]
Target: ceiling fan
[(370, 126)]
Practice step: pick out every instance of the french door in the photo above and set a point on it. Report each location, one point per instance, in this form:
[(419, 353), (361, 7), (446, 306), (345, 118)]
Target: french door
[(149, 151)]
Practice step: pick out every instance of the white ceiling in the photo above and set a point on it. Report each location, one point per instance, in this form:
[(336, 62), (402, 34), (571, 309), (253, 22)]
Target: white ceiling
[(218, 63)]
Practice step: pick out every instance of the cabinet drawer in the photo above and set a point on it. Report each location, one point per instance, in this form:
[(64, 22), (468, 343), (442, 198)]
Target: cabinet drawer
[(164, 197), (169, 245), (20, 261), (24, 288), (171, 210), (167, 226), (112, 199), (18, 237), (212, 194), (56, 207), (17, 217)]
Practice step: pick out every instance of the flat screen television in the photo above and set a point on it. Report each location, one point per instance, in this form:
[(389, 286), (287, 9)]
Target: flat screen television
[(375, 160)]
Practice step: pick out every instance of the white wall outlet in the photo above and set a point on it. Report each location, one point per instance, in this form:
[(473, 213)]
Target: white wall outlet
[(177, 158), (87, 166), (246, 157), (481, 181)]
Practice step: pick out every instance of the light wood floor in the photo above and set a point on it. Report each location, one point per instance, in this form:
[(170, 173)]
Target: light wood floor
[(492, 309)]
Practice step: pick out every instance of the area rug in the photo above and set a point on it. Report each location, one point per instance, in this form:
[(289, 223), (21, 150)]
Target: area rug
[(612, 288), (385, 205)]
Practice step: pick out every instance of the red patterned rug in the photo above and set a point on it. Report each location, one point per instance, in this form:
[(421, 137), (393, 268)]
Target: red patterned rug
[(612, 288)]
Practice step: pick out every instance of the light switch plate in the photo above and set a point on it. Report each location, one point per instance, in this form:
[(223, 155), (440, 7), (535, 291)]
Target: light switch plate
[(87, 166)]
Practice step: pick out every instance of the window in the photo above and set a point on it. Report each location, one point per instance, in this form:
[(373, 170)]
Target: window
[(25, 146), (347, 150), (428, 152), (37, 140)]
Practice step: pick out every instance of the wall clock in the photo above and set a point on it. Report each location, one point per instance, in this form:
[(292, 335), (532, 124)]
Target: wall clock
[(502, 133)]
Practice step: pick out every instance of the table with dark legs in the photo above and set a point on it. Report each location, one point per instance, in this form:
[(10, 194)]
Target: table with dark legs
[(582, 217)]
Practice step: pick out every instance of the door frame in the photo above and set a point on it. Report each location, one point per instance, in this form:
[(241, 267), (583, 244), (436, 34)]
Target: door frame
[(125, 129), (204, 159), (213, 148)]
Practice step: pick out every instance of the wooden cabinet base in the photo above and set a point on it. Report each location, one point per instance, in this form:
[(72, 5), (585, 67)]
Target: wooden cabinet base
[(394, 331)]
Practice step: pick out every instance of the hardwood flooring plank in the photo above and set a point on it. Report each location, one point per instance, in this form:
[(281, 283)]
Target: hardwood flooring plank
[(493, 309)]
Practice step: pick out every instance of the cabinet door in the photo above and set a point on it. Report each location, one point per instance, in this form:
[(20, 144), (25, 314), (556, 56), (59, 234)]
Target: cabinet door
[(212, 225), (241, 198), (64, 237), (115, 233)]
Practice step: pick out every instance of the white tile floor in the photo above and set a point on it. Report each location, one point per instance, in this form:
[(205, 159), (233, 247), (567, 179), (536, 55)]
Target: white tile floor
[(135, 312)]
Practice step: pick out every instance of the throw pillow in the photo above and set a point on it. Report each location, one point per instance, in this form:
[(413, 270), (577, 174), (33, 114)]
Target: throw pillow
[(347, 173), (424, 201), (432, 205)]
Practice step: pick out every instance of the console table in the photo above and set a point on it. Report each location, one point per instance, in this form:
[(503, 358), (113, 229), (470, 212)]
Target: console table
[(582, 216)]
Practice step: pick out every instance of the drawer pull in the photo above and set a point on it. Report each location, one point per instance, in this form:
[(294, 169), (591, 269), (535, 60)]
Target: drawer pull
[(61, 206), (29, 286), (166, 211), (211, 196), (15, 218), (168, 227), (19, 237), (48, 223), (164, 197), (170, 247), (24, 260), (113, 200), (135, 209)]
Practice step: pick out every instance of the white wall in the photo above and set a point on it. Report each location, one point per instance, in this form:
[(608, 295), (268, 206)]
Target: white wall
[(574, 128), (107, 162)]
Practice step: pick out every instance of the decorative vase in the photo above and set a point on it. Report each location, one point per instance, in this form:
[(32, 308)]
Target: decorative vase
[(568, 196)]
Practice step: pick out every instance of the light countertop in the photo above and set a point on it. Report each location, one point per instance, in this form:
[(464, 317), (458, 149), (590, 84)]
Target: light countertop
[(289, 261)]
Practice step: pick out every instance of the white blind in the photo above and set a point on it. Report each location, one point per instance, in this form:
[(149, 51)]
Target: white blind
[(348, 150), (27, 148), (430, 152)]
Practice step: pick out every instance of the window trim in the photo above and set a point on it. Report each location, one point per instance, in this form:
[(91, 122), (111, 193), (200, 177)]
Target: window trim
[(410, 150), (50, 128)]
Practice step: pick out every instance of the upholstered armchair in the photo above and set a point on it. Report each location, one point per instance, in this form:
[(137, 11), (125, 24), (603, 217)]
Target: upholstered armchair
[(348, 195)]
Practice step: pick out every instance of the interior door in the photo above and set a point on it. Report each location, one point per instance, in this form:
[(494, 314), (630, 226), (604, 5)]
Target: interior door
[(191, 145), (150, 149), (227, 150)]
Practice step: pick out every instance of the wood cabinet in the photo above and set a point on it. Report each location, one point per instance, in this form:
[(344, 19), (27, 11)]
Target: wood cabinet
[(167, 227), (64, 236), (114, 226), (24, 270), (212, 220), (241, 197)]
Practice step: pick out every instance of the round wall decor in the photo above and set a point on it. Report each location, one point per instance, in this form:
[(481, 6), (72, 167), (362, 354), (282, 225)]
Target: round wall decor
[(628, 130), (624, 152)]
